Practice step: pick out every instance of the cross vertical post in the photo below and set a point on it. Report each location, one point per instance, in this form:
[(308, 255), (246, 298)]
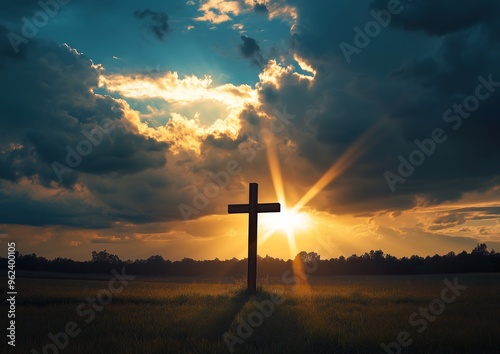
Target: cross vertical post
[(252, 237), (253, 208)]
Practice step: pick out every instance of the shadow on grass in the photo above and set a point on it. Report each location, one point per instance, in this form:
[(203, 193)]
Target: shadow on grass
[(220, 320), (236, 306), (243, 295)]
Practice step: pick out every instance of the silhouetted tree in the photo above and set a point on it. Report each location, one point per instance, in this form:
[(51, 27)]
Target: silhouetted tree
[(104, 257), (373, 262)]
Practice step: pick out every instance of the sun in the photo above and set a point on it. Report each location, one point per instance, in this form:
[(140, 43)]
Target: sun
[(287, 221)]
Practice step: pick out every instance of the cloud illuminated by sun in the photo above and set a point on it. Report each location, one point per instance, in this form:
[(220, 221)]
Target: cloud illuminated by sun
[(220, 11), (171, 88), (305, 66), (272, 74), (186, 132), (181, 132)]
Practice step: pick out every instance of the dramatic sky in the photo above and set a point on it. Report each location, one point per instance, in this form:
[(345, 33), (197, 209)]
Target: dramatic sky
[(129, 126)]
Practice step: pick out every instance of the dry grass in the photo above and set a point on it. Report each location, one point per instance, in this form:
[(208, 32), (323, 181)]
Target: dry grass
[(348, 315)]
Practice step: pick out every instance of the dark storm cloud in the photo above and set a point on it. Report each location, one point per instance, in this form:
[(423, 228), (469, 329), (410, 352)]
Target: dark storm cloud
[(483, 210), (249, 116), (23, 21), (22, 209), (250, 49), (449, 220), (223, 142), (6, 50), (48, 106), (126, 176), (440, 17), (460, 216), (408, 81), (17, 9), (158, 24), (261, 8), (52, 110), (61, 114)]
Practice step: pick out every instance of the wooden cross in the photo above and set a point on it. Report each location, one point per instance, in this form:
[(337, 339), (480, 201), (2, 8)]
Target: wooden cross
[(253, 208)]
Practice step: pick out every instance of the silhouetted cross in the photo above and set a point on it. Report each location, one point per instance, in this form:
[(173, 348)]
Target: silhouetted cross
[(253, 208)]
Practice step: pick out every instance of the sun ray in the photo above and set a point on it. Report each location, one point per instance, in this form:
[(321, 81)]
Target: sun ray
[(276, 176), (289, 216), (275, 169), (292, 245), (351, 155), (302, 285), (266, 236)]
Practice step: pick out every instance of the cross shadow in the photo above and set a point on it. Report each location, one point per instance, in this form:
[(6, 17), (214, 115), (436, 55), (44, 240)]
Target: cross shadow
[(223, 321), (220, 321)]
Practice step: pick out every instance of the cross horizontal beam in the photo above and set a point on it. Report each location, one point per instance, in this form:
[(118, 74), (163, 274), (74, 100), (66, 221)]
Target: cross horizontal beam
[(261, 208)]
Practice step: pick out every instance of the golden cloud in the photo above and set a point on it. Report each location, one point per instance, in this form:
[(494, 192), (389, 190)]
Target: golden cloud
[(218, 11), (181, 132)]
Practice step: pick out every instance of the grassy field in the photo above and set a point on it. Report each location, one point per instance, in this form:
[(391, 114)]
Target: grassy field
[(333, 315)]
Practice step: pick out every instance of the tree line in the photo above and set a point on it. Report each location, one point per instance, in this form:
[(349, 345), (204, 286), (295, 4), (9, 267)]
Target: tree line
[(373, 262)]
